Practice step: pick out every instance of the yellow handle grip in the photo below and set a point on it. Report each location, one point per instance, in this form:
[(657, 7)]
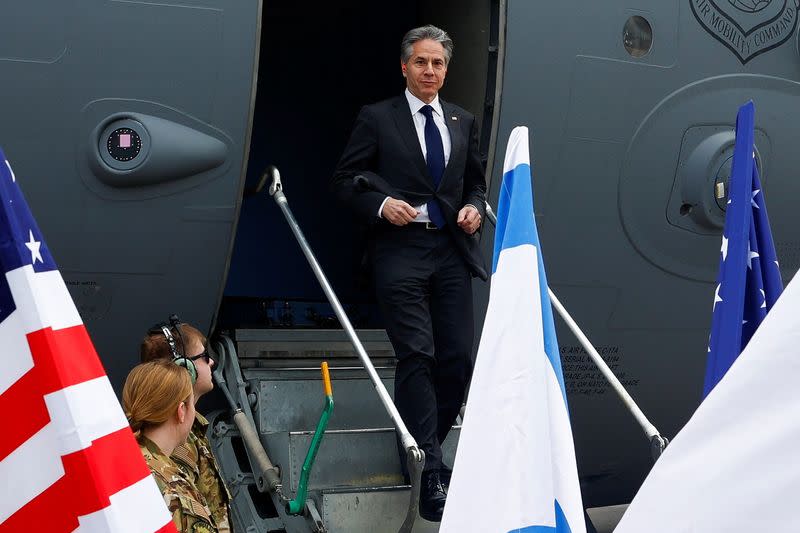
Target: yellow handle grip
[(326, 379)]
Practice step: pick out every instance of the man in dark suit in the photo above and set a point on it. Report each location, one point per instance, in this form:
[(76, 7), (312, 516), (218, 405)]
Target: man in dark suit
[(422, 190)]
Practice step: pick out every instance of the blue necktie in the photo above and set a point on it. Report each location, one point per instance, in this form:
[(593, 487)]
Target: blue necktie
[(435, 161)]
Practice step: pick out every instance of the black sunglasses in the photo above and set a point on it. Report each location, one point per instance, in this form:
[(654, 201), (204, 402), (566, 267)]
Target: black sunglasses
[(205, 355)]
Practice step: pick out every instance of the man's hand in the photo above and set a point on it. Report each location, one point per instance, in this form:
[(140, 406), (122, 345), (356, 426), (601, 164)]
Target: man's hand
[(469, 219), (398, 212)]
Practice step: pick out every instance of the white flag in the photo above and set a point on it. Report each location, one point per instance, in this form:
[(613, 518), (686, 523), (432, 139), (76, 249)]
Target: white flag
[(515, 466), (734, 466)]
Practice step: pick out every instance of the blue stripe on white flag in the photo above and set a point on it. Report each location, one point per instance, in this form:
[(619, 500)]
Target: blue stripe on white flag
[(515, 227)]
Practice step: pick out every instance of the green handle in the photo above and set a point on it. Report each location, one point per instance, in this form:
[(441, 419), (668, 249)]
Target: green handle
[(295, 506)]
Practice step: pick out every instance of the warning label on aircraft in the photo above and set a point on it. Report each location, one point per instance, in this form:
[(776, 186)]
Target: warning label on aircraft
[(748, 27), (581, 375)]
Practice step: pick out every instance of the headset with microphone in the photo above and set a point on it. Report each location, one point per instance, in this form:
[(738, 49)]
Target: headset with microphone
[(178, 357)]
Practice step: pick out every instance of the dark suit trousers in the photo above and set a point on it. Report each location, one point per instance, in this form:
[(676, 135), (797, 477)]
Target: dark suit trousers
[(424, 290)]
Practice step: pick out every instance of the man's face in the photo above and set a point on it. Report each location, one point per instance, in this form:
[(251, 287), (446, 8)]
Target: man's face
[(425, 70), (203, 383)]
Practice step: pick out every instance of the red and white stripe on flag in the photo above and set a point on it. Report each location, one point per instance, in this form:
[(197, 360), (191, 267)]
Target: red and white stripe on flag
[(68, 460)]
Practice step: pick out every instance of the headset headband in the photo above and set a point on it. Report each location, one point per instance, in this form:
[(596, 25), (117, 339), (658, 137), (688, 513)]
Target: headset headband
[(177, 357), (165, 328)]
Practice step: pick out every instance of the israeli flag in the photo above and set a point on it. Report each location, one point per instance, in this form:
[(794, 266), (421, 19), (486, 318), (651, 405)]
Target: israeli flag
[(515, 467)]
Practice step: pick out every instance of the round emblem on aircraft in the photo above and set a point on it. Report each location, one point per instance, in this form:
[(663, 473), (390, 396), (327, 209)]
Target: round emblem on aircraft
[(750, 6), (124, 144)]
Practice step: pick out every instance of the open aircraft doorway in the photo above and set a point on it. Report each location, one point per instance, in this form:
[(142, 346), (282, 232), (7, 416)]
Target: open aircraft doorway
[(317, 68)]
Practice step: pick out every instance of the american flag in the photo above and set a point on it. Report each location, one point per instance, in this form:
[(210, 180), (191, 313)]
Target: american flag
[(749, 279), (68, 459)]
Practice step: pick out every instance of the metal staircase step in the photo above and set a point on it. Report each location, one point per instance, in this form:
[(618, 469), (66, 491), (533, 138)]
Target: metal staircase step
[(354, 458), (369, 510)]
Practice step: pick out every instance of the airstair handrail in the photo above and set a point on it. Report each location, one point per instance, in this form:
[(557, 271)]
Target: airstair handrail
[(415, 456), (657, 442)]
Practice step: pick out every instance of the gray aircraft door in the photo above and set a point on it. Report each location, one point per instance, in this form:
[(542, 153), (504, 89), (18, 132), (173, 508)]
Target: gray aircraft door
[(631, 107), (127, 124)]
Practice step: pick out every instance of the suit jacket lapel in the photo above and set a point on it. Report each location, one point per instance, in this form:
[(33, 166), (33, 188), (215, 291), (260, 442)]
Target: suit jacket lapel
[(457, 141), (405, 125)]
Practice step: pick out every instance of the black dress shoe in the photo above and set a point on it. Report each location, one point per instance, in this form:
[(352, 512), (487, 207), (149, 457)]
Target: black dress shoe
[(431, 497), (445, 473)]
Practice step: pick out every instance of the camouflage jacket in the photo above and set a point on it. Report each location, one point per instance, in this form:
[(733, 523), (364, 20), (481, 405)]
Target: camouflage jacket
[(200, 467), (190, 514)]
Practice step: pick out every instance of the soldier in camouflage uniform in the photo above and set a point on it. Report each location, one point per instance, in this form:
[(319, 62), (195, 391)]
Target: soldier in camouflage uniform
[(190, 514), (159, 404), (194, 457), (200, 466)]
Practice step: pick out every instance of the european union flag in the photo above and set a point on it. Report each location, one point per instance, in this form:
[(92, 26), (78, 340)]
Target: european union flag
[(749, 281)]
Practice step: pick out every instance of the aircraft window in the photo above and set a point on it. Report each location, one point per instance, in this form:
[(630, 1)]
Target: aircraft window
[(637, 36)]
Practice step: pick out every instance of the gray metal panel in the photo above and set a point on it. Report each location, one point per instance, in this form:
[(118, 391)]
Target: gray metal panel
[(292, 400), (305, 343), (129, 256), (358, 458), (48, 43), (244, 336), (606, 136), (369, 512)]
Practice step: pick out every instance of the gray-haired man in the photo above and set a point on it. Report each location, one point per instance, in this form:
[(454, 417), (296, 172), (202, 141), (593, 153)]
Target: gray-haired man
[(424, 207)]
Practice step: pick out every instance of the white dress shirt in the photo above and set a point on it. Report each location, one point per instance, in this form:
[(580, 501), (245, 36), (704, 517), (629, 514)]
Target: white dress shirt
[(415, 104)]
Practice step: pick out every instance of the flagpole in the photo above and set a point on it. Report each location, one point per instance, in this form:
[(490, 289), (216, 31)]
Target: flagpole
[(657, 442)]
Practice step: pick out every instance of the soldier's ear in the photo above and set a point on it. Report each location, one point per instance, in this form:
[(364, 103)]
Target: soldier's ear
[(182, 412)]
